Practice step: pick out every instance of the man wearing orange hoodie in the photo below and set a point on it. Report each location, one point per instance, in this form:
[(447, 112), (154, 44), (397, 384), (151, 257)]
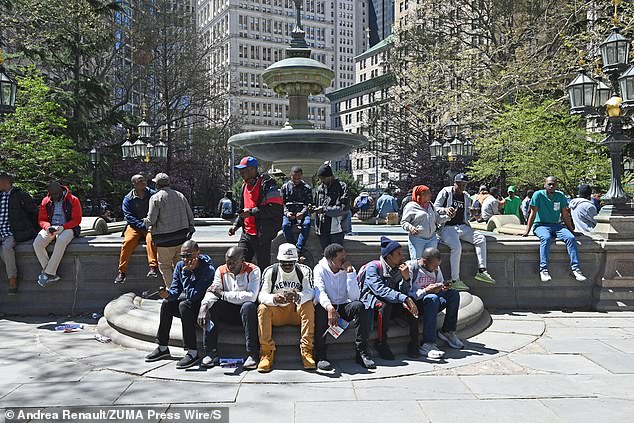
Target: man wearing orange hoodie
[(59, 218)]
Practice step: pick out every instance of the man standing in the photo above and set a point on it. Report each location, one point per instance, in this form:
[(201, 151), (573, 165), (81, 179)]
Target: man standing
[(526, 204), (171, 221), (135, 208), (192, 276), (455, 203), (337, 296), (18, 222), (383, 282), (548, 208), (231, 299), (260, 213), (296, 195), (286, 298), (59, 218), (583, 209), (227, 206), (332, 203), (431, 295), (512, 204)]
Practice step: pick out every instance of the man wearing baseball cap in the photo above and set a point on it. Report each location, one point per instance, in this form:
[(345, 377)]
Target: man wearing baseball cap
[(512, 204), (286, 298), (171, 222), (259, 213), (455, 203)]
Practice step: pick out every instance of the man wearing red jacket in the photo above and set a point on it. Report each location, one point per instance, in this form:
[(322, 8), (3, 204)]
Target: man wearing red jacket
[(59, 218)]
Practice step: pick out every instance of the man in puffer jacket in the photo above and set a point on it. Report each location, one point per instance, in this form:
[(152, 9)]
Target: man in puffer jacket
[(421, 220), (583, 210)]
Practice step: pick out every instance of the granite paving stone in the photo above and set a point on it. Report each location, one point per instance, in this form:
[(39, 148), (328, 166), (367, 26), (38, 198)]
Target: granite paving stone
[(501, 410), (178, 392), (523, 386), (363, 411), (412, 387), (570, 364), (591, 410)]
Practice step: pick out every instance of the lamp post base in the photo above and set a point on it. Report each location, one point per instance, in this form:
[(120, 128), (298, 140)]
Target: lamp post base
[(615, 221)]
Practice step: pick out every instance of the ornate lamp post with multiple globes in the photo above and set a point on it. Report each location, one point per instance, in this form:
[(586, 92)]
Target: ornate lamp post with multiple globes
[(454, 149)]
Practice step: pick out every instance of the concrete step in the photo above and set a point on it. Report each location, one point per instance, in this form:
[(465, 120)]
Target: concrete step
[(132, 321)]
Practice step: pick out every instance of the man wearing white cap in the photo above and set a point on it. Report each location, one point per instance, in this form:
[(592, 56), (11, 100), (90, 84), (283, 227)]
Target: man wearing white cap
[(171, 221), (286, 298)]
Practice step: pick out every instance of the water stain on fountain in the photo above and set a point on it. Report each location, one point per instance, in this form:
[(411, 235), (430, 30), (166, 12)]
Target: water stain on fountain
[(298, 143)]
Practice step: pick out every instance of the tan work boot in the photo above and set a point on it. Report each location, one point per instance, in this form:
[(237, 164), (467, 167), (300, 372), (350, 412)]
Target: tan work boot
[(266, 361), (13, 286), (307, 359)]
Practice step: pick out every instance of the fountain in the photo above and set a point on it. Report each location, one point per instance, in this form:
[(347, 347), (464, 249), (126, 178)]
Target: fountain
[(298, 142)]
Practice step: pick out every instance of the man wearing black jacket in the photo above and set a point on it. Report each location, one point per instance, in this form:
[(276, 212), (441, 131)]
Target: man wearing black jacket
[(297, 195), (18, 222), (332, 202), (259, 214)]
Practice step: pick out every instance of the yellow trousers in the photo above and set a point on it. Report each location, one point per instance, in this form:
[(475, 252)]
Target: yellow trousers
[(290, 314)]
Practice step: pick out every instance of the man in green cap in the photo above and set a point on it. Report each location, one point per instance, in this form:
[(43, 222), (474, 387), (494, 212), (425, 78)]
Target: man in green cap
[(512, 204)]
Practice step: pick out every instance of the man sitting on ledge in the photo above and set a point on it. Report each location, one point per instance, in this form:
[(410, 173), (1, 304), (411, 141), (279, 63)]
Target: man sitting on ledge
[(382, 282), (231, 299), (192, 276), (286, 298), (431, 295)]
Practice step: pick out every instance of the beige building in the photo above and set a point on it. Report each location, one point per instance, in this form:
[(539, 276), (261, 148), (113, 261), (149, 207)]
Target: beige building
[(250, 35)]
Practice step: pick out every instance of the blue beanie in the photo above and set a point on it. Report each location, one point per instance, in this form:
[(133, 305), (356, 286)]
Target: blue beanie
[(388, 246)]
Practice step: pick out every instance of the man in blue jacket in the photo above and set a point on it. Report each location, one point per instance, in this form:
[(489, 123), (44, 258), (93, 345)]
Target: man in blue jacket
[(383, 283), (192, 276), (135, 208)]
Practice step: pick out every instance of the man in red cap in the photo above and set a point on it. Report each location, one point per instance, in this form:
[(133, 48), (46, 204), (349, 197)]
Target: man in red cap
[(259, 214)]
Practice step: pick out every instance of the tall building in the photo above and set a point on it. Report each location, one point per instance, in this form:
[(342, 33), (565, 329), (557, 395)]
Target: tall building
[(250, 35), (355, 108), (380, 20)]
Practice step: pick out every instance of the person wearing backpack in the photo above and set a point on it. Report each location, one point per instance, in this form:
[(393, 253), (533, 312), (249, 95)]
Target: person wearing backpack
[(286, 298), (337, 296), (431, 294), (455, 202), (384, 284), (421, 220)]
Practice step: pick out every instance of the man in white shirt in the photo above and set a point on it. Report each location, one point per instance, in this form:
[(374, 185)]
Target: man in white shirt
[(337, 296), (231, 299), (286, 299)]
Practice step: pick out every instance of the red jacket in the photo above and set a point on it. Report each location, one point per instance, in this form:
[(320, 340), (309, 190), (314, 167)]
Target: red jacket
[(72, 211)]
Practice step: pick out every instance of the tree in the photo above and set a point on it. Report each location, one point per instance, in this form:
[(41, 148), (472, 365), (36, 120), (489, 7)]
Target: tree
[(534, 139), (33, 142)]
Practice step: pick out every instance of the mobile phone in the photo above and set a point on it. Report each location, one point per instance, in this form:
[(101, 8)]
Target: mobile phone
[(447, 283), (52, 229)]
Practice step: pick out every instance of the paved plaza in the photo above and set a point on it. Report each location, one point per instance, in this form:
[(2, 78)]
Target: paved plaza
[(527, 367)]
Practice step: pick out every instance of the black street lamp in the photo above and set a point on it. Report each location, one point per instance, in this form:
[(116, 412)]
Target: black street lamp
[(95, 159), (8, 88)]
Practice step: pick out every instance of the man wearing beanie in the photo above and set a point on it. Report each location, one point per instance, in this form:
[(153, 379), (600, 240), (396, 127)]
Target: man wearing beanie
[(583, 210), (385, 283), (332, 203)]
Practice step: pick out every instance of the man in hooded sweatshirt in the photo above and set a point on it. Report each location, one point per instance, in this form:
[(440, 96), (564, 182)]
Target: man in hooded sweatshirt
[(583, 210), (421, 220), (59, 218)]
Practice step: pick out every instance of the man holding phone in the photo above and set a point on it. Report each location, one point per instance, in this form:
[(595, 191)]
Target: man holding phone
[(192, 276), (59, 217), (432, 294), (337, 296)]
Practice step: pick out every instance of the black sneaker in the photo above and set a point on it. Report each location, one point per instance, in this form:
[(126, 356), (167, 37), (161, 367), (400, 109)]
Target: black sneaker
[(187, 361), (153, 273), (412, 350), (384, 351), (324, 364), (364, 359), (157, 355), (53, 278), (120, 278), (211, 359)]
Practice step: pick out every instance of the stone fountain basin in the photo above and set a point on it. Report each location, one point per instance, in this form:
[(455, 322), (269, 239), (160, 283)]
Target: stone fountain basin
[(298, 145)]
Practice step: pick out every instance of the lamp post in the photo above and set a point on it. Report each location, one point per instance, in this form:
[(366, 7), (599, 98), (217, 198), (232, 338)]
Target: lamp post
[(595, 99), (456, 148), (95, 159), (8, 89)]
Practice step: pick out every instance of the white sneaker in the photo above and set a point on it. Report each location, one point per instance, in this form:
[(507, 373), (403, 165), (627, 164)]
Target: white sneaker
[(578, 275), (431, 350), (451, 338), (545, 276)]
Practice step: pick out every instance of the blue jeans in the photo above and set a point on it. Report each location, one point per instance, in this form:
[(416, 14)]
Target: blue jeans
[(549, 231), (418, 244), (428, 308), (287, 228), (346, 222)]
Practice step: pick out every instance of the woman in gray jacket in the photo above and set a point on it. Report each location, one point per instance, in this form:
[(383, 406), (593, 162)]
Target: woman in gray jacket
[(421, 220)]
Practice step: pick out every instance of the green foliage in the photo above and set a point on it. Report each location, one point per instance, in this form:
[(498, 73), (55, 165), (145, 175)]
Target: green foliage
[(533, 139), (33, 144), (354, 189)]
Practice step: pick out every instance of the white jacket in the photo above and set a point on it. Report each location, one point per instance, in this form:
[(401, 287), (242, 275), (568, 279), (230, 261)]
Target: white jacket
[(286, 282), (334, 288)]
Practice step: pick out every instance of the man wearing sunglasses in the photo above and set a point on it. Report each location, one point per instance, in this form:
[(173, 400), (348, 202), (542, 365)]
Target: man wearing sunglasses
[(192, 276), (548, 208)]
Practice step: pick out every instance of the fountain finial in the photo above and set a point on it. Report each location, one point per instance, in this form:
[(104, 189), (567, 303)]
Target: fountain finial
[(299, 48)]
